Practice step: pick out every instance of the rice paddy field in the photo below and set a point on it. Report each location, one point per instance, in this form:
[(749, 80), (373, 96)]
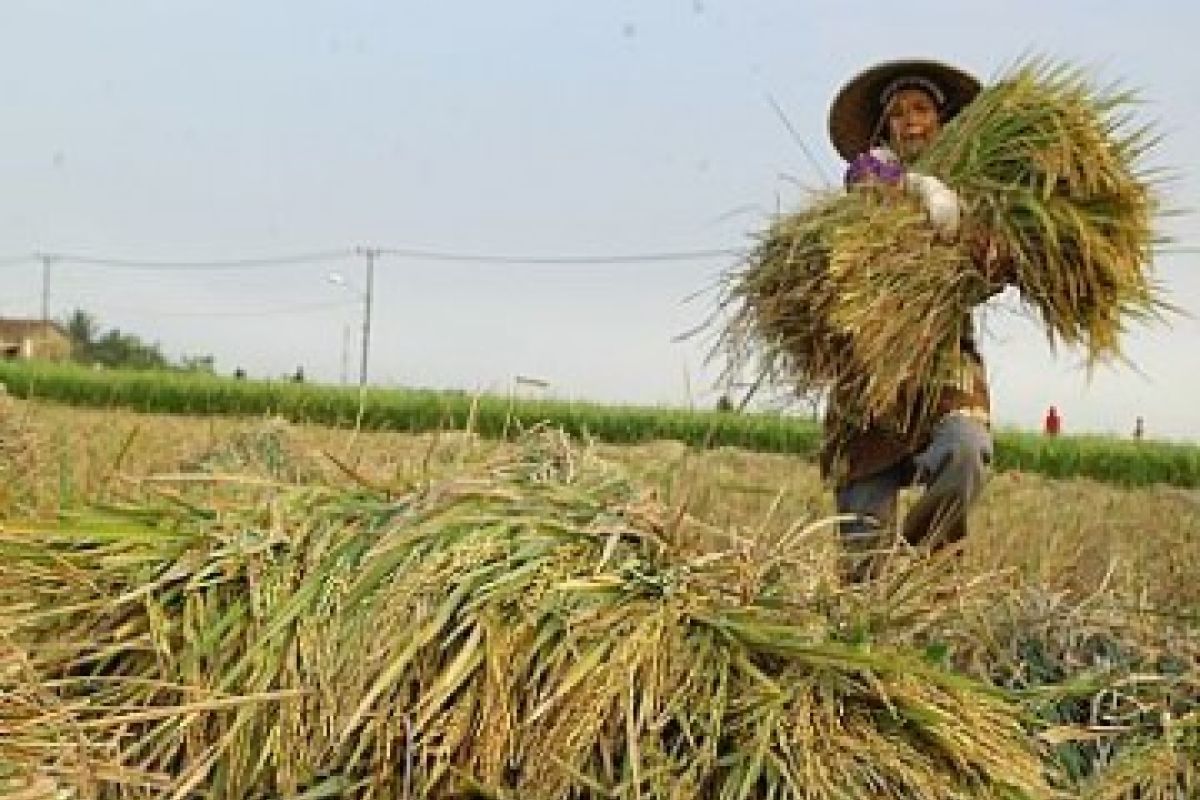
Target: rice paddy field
[(245, 607), (496, 416)]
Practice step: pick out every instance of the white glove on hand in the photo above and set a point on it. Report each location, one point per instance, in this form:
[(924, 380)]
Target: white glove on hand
[(940, 201)]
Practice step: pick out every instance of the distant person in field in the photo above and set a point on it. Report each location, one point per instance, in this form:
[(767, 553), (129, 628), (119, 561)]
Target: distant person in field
[(880, 122), (1052, 425), (1139, 429)]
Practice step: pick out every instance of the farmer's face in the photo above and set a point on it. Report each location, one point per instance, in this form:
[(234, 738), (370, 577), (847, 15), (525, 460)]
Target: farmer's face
[(912, 120)]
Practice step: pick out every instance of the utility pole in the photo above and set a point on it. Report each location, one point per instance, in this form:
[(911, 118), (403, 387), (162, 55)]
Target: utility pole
[(46, 261), (370, 253), (347, 336)]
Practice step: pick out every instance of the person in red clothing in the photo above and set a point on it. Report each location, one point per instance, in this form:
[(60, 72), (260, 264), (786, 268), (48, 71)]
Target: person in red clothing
[(1053, 422)]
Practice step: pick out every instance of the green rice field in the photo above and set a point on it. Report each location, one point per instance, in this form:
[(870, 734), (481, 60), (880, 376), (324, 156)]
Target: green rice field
[(1126, 463)]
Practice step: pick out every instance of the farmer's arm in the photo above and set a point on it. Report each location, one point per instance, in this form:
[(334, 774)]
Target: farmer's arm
[(988, 250), (944, 210)]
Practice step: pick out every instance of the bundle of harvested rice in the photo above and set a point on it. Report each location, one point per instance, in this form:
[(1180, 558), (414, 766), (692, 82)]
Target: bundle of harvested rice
[(829, 301), (857, 291), (532, 627), (1054, 166)]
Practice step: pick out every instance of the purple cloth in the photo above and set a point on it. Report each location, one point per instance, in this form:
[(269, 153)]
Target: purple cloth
[(871, 166)]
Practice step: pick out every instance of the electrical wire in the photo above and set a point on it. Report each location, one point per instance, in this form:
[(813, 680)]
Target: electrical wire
[(302, 308), (414, 253), (617, 258), (238, 263)]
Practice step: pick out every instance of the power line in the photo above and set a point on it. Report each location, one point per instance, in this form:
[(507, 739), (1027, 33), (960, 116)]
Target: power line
[(237, 263), (621, 258), (301, 308), (397, 252), (413, 253), (617, 258)]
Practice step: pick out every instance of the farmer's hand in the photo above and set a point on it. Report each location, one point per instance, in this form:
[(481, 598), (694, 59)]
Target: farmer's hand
[(940, 202)]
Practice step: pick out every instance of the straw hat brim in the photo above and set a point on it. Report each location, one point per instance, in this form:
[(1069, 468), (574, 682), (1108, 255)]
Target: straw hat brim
[(854, 114)]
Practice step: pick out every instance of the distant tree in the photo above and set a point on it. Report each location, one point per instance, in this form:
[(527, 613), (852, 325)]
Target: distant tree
[(82, 330), (116, 348)]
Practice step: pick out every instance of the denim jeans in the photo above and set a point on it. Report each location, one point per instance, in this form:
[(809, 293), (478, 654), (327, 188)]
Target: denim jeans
[(953, 470)]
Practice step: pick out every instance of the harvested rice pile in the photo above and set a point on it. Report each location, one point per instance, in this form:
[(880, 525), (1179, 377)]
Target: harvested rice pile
[(42, 751), (531, 627), (266, 450), (856, 291)]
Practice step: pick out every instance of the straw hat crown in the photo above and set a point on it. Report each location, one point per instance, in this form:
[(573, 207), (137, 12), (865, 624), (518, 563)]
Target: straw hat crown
[(855, 112)]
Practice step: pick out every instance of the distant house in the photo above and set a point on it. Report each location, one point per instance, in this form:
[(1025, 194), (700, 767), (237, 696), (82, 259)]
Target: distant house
[(33, 338)]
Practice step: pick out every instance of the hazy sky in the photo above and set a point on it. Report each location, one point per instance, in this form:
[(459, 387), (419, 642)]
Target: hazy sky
[(194, 131)]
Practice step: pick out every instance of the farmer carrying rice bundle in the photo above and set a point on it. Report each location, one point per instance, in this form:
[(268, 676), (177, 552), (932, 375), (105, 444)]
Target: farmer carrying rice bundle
[(953, 191), (881, 122)]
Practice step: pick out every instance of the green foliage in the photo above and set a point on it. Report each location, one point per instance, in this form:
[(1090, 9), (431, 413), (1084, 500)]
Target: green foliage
[(1124, 462), (401, 409), (93, 346), (112, 348)]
